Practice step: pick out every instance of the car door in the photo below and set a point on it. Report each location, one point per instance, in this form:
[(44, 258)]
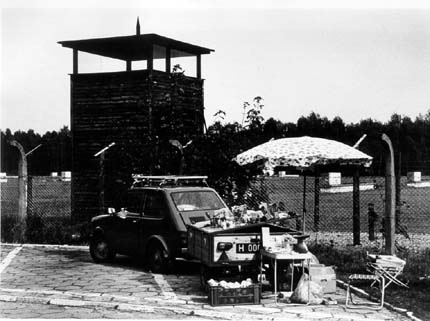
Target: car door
[(128, 223), (155, 216)]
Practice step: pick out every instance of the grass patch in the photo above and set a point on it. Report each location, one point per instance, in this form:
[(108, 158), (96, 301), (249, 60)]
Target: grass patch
[(351, 259), (47, 230)]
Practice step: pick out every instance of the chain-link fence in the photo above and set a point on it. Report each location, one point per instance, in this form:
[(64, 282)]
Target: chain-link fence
[(333, 212), (49, 203), (48, 209), (335, 208), (9, 207)]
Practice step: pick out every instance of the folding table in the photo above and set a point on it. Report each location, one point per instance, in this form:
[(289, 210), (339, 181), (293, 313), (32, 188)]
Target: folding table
[(287, 256)]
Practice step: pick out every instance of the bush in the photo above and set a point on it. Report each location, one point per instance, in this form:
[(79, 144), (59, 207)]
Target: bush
[(55, 230), (48, 230), (348, 259), (8, 224)]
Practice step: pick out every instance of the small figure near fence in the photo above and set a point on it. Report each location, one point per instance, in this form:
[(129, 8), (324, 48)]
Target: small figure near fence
[(372, 219)]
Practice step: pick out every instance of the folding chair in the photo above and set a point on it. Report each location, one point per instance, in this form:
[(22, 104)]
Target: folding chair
[(382, 268), (367, 305), (389, 267)]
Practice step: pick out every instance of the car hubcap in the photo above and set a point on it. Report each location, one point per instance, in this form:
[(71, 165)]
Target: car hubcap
[(101, 249)]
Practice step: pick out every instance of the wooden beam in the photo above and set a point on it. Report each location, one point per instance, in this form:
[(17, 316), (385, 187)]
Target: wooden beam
[(75, 61), (150, 61), (128, 65), (72, 138), (199, 66), (304, 205), (168, 60), (398, 188), (356, 207), (317, 201), (102, 183)]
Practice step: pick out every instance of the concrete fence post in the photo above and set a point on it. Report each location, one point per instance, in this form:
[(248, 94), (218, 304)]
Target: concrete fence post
[(19, 233), (390, 199)]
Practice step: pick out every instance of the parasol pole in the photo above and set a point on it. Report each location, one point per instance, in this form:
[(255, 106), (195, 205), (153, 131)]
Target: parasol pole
[(359, 141), (304, 203), (316, 199)]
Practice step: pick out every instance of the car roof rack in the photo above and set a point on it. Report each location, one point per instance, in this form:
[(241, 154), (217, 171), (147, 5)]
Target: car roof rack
[(140, 180)]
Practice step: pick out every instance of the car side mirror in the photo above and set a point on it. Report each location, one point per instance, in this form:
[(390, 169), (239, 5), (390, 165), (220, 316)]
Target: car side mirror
[(111, 210)]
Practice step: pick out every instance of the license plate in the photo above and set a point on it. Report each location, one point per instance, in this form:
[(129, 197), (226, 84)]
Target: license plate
[(247, 247)]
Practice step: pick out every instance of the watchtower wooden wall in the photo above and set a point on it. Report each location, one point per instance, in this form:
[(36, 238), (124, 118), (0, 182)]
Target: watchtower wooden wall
[(134, 109)]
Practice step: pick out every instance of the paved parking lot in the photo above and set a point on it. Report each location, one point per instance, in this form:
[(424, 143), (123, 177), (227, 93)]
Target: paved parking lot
[(66, 279)]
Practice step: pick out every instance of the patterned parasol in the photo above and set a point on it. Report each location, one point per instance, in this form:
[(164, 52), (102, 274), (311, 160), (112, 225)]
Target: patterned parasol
[(302, 153)]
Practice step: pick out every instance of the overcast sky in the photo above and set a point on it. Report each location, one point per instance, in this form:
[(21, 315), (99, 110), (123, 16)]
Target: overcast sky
[(354, 63)]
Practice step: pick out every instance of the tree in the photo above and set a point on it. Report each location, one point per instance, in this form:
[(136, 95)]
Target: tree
[(313, 125), (274, 129)]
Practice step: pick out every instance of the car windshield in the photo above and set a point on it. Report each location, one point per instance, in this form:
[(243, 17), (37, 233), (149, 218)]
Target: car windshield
[(197, 200)]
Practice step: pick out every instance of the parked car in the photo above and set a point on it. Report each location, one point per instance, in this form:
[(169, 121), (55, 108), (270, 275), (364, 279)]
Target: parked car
[(152, 220)]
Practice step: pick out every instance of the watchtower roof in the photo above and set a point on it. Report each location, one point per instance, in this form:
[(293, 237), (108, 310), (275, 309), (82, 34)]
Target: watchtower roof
[(136, 47)]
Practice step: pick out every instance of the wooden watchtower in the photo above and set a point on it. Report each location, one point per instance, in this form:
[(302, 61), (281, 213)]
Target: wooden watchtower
[(138, 110)]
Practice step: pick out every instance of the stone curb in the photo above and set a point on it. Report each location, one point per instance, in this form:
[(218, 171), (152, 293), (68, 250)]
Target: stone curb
[(135, 308), (387, 305), (53, 246), (253, 312), (127, 307), (273, 314), (8, 298)]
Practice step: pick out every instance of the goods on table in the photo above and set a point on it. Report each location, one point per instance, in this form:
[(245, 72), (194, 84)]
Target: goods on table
[(240, 215), (282, 244), (243, 215)]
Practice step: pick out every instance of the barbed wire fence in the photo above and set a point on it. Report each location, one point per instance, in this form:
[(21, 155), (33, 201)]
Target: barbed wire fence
[(9, 207), (333, 227), (49, 203), (48, 209), (335, 203)]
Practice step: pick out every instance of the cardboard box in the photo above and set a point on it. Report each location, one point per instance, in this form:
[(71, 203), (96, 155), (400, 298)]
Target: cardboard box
[(323, 275)]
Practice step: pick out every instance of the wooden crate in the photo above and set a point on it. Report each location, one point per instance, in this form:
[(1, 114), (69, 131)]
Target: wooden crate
[(221, 296)]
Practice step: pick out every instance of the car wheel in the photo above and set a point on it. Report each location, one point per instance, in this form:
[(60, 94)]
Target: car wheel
[(101, 251), (158, 259)]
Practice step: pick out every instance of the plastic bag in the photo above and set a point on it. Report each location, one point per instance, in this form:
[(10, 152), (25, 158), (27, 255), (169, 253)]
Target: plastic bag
[(304, 287), (314, 259)]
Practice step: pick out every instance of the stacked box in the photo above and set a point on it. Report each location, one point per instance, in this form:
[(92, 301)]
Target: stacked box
[(224, 296)]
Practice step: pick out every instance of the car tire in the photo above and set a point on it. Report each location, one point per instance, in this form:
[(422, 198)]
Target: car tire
[(101, 251), (157, 259)]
